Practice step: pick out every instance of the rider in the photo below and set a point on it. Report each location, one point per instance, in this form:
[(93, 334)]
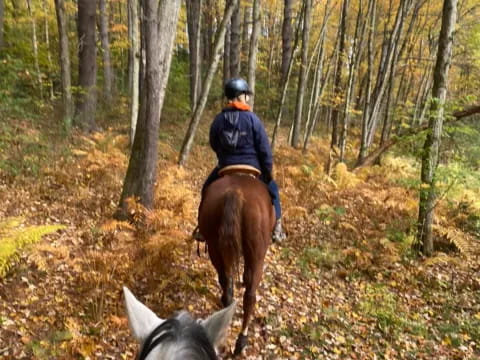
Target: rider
[(238, 137)]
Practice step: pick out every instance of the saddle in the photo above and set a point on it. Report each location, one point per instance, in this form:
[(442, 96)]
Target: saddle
[(241, 169)]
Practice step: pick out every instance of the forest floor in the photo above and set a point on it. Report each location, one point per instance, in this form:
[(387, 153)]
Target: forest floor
[(344, 285)]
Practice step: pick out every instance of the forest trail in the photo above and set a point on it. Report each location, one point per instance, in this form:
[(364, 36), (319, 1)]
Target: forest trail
[(343, 286)]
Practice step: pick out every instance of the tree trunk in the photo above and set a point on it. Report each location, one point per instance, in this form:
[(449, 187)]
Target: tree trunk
[(226, 51), (134, 64), (68, 107), (1, 24), (194, 22), (420, 92), (47, 45), (302, 80), (252, 58), (318, 83), (202, 100), (208, 11), (283, 95), (107, 63), (35, 48), (245, 38), (356, 53), (287, 33), (387, 61), (159, 21), (432, 143), (87, 72), (368, 87), (338, 72), (235, 42)]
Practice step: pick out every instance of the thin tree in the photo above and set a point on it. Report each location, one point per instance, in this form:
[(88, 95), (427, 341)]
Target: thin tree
[(35, 47), (133, 63), (302, 79), (194, 25), (87, 65), (64, 59), (247, 14), (1, 23), (108, 77), (354, 60), (287, 34), (386, 62), (209, 22), (235, 42), (341, 56), (159, 22), (283, 94), (226, 47), (202, 100), (252, 58), (430, 156)]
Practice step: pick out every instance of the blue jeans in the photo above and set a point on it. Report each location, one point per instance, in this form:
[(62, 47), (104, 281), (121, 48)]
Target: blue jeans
[(272, 189)]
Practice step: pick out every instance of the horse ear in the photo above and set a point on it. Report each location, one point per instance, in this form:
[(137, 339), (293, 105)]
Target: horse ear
[(216, 325), (142, 320)]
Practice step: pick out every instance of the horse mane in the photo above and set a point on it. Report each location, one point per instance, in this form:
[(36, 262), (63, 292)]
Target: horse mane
[(180, 336)]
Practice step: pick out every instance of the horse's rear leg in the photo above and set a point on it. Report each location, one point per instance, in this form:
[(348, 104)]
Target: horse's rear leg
[(225, 280), (252, 276)]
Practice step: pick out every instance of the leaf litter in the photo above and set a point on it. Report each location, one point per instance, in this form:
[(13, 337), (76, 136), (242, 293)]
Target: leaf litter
[(343, 286)]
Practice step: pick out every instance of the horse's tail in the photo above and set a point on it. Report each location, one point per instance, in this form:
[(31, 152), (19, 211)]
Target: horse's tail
[(231, 229)]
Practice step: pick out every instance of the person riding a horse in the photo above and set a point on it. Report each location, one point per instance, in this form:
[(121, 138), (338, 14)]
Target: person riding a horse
[(238, 137)]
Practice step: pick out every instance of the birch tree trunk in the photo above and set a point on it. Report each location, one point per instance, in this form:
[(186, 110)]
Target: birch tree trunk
[(107, 63), (159, 21), (235, 42), (87, 65), (430, 156), (194, 23), (252, 58), (202, 100), (302, 80), (287, 33), (65, 69), (35, 48), (134, 64)]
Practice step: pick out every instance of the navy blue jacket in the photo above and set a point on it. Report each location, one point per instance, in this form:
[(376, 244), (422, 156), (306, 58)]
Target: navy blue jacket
[(239, 137)]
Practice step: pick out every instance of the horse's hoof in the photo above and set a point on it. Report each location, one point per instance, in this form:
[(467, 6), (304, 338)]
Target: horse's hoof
[(240, 344)]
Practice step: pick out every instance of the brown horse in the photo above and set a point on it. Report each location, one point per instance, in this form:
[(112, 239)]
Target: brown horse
[(236, 218)]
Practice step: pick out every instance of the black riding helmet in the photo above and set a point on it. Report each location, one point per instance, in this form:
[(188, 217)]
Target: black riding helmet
[(235, 87)]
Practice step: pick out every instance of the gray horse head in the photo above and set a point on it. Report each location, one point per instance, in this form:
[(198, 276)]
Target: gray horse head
[(179, 337)]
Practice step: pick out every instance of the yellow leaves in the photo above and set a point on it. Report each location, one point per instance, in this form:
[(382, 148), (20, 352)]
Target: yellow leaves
[(343, 178), (14, 237)]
